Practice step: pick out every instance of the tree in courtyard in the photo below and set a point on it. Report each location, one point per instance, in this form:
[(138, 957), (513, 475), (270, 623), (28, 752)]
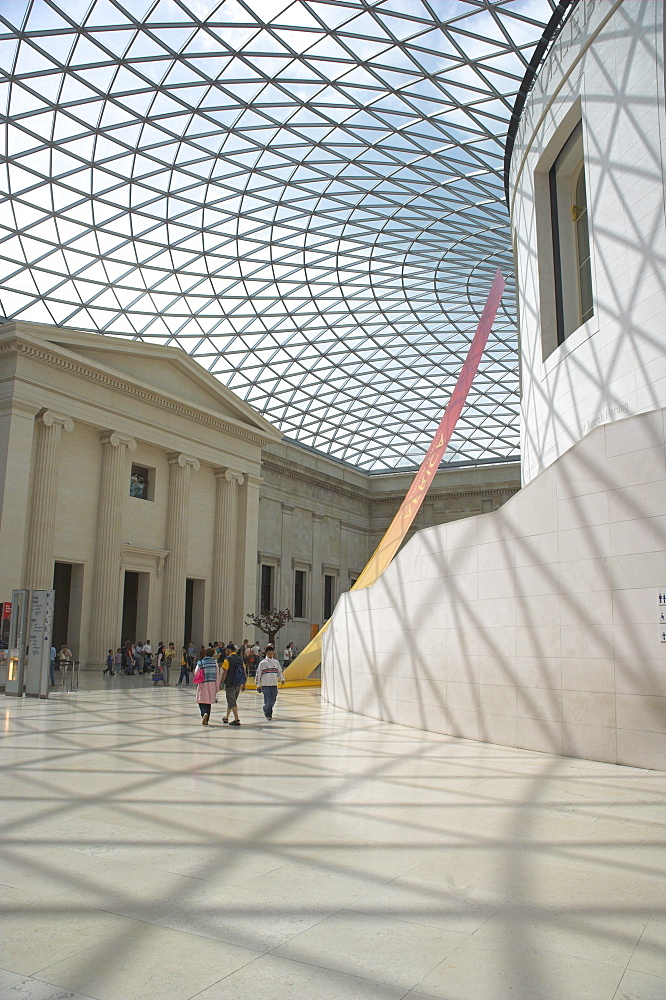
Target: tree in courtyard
[(269, 621)]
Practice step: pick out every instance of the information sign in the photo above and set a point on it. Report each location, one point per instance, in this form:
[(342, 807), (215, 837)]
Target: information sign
[(39, 643)]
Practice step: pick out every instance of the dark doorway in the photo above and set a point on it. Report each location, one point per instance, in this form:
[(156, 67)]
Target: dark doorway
[(130, 602), (189, 603), (68, 586), (62, 584), (194, 610)]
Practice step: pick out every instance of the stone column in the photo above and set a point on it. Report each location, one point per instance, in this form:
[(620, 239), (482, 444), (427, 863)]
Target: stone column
[(225, 545), (114, 487), (175, 570), (41, 531), (246, 589)]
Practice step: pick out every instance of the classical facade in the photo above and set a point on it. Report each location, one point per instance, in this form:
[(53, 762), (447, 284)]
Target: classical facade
[(160, 506), (129, 481), (544, 620)]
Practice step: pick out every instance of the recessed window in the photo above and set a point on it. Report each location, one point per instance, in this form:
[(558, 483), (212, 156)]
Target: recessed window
[(299, 593), (142, 482), (572, 271), (266, 589), (329, 595)]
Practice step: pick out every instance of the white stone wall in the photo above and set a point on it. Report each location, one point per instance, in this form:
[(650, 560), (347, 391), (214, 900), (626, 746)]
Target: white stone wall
[(323, 517), (606, 69), (538, 625), (534, 626)]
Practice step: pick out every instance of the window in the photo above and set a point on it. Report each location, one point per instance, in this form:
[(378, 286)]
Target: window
[(572, 271), (142, 482), (299, 593), (329, 595), (266, 592)]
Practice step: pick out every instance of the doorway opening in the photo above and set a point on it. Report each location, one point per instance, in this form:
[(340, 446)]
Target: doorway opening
[(68, 586), (135, 606), (194, 614)]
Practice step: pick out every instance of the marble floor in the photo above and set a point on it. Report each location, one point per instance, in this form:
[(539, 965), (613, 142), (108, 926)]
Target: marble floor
[(322, 856)]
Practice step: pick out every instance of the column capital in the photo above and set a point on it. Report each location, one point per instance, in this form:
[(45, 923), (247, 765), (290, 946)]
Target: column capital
[(51, 419), (183, 460), (253, 480), (115, 440), (231, 475)]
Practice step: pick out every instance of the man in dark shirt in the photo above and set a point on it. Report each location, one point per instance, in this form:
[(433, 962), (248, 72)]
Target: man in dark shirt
[(234, 677)]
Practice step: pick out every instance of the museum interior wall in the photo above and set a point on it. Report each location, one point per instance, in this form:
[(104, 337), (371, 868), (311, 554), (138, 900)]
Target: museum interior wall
[(538, 625), (320, 520), (134, 484)]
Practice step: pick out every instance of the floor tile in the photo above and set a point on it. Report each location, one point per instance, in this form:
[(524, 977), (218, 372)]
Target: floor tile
[(650, 953), (147, 962), (271, 977), (372, 946), (639, 986), (34, 989), (146, 857), (513, 971)]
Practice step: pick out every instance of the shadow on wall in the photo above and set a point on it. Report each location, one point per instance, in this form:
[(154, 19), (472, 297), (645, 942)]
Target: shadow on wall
[(535, 626)]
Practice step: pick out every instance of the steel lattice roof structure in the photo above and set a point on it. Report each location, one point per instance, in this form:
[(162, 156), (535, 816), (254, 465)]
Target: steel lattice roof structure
[(305, 196)]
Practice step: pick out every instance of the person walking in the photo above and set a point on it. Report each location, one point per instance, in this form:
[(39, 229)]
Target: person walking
[(207, 689), (65, 660), (233, 677), (191, 655), (138, 656), (184, 668), (109, 663), (169, 657), (269, 673), (52, 664)]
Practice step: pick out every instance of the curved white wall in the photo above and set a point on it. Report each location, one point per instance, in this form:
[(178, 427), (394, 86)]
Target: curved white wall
[(536, 626), (539, 625), (607, 70)]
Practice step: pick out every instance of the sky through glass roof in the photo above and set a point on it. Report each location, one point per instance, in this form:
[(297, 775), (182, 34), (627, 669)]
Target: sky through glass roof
[(307, 197)]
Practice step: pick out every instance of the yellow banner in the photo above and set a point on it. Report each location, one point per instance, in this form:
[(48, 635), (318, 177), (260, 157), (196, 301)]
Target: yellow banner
[(309, 659)]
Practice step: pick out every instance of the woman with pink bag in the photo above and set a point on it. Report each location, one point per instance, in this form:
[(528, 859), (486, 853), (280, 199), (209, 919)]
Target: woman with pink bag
[(207, 679)]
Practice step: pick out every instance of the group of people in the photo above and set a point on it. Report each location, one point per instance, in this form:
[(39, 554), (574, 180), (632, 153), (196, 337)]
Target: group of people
[(228, 668), (217, 666)]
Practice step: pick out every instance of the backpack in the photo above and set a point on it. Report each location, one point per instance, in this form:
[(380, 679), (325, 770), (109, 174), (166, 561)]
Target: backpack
[(236, 673)]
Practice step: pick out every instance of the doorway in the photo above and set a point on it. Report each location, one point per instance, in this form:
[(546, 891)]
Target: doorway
[(68, 587), (194, 613), (136, 589)]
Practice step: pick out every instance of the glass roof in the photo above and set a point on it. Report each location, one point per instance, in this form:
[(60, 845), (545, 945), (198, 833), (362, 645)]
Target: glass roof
[(307, 197)]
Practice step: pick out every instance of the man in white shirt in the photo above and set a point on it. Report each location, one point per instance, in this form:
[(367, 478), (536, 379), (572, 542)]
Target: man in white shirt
[(269, 673)]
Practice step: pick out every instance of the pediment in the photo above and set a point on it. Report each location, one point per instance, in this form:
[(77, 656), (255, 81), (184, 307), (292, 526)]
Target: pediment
[(167, 371)]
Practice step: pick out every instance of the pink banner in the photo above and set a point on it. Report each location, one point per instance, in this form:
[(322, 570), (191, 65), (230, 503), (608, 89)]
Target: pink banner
[(409, 508)]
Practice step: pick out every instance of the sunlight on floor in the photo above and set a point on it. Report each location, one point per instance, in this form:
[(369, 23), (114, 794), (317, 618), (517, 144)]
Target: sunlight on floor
[(321, 856)]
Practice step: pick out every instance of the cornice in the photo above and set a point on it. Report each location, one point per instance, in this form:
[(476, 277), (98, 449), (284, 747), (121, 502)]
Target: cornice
[(373, 499), (313, 481), (119, 384), (453, 495)]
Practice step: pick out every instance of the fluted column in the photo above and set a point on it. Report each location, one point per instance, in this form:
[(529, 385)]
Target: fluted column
[(39, 571), (114, 487), (224, 555), (175, 571)]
